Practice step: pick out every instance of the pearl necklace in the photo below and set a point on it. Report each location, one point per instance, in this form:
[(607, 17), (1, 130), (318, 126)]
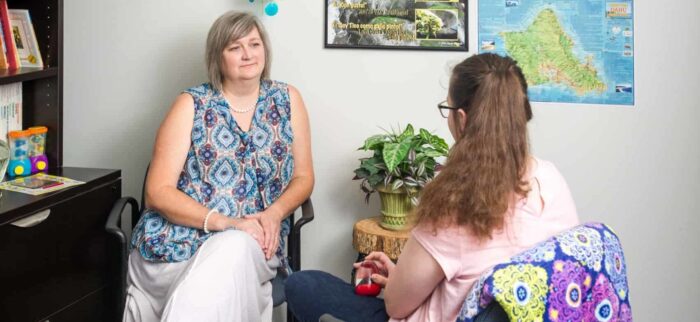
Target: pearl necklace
[(241, 111)]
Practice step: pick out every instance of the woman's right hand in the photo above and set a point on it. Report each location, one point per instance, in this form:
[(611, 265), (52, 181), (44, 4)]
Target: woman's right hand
[(384, 264), (252, 227)]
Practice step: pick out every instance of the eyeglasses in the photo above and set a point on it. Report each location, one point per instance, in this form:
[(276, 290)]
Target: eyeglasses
[(444, 109)]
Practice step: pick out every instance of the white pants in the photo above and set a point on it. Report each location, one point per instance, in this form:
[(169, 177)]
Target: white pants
[(227, 279)]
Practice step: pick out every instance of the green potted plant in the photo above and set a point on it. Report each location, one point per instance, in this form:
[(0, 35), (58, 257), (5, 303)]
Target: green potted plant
[(402, 163)]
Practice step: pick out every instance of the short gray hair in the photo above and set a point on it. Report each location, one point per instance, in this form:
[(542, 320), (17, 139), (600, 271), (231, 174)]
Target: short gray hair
[(228, 28)]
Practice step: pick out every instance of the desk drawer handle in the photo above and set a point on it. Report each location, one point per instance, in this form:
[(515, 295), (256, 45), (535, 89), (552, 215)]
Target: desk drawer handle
[(33, 220)]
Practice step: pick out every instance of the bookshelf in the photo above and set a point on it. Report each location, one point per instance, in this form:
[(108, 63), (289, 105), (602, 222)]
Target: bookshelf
[(42, 89), (64, 268), (26, 74)]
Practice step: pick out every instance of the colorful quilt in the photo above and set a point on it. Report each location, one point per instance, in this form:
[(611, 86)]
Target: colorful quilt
[(578, 275)]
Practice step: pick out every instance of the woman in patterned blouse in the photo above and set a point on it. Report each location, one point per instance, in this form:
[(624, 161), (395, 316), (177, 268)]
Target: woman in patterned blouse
[(231, 160)]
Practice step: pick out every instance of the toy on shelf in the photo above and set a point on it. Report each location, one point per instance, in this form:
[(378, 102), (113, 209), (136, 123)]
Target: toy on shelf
[(20, 165), (4, 159), (37, 144)]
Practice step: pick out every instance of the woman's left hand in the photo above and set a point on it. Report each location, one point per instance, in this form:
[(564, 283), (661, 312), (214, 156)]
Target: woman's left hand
[(270, 223)]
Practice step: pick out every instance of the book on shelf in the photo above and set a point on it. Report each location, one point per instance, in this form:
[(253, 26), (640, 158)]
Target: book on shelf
[(25, 38), (3, 50), (11, 53), (10, 109)]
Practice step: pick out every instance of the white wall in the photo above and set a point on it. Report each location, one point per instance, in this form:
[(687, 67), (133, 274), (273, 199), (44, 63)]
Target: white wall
[(634, 168)]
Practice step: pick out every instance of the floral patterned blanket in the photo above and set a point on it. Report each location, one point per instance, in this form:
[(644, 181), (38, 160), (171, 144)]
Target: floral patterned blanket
[(578, 275)]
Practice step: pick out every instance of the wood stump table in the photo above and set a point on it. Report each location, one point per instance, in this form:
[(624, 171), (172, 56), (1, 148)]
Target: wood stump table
[(368, 236)]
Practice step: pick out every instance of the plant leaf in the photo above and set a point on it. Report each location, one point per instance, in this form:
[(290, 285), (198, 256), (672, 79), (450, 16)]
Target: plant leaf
[(439, 143), (364, 188), (430, 165), (361, 173), (374, 179), (421, 169), (394, 153), (425, 136), (398, 183), (387, 179), (411, 155), (407, 133), (433, 153), (374, 164), (373, 142)]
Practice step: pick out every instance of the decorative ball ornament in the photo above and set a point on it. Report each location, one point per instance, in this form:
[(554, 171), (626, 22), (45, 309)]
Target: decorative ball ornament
[(271, 8)]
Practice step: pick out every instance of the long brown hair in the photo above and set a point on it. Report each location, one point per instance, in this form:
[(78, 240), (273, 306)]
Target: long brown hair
[(486, 166)]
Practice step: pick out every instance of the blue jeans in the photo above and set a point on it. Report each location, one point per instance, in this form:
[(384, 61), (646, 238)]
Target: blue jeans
[(311, 294)]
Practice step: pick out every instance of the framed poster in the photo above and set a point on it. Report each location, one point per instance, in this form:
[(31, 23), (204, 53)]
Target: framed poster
[(397, 24)]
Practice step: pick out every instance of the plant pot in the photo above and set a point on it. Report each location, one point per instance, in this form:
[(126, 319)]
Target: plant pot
[(396, 206)]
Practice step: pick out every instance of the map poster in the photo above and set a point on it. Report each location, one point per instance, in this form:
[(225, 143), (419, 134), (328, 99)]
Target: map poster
[(397, 24), (572, 51)]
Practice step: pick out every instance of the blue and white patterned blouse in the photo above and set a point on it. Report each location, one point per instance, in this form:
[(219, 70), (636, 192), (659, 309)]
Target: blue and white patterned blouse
[(235, 172)]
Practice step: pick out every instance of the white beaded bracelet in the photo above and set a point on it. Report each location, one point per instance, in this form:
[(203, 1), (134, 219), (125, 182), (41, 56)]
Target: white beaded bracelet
[(206, 220)]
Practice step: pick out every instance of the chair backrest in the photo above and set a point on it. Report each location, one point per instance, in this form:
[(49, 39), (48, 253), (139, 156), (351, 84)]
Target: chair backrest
[(142, 203), (143, 188), (577, 275)]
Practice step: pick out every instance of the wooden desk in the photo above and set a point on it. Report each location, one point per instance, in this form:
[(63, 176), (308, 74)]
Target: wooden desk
[(63, 268), (368, 236)]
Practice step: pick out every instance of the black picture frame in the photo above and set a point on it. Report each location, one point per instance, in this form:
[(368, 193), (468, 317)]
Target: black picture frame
[(358, 16)]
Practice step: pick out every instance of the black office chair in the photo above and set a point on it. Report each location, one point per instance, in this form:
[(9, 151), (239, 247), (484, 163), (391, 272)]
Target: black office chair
[(493, 313), (114, 226)]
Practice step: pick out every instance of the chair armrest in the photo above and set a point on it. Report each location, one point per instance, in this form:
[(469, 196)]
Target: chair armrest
[(294, 238), (307, 215), (113, 226)]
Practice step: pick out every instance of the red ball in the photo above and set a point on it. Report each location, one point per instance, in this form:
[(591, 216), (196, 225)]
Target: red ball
[(368, 289)]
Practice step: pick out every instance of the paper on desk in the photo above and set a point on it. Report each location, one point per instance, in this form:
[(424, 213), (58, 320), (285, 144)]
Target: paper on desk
[(39, 184)]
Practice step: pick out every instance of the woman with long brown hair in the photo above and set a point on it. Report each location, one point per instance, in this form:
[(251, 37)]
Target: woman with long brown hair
[(492, 200)]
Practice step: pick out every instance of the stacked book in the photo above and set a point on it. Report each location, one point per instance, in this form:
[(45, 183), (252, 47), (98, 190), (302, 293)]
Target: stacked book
[(10, 109)]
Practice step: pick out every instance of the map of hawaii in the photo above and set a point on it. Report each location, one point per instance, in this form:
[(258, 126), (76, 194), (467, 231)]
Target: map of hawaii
[(571, 51), (545, 54)]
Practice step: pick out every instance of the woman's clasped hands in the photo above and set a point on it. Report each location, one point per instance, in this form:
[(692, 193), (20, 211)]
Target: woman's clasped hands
[(264, 227)]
